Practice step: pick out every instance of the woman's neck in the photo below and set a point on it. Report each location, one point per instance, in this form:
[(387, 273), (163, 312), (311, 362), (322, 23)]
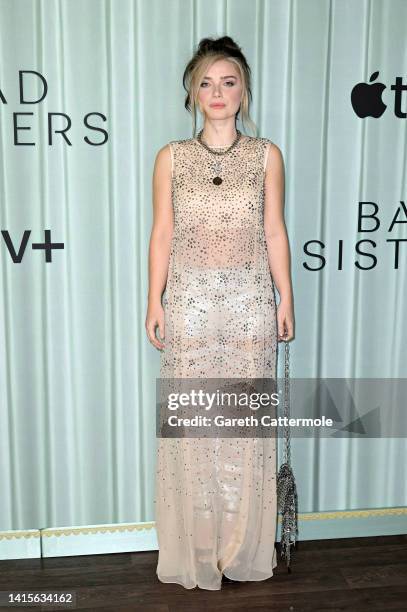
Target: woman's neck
[(218, 139)]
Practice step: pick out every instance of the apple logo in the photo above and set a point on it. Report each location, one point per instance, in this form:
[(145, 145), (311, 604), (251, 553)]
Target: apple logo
[(367, 99)]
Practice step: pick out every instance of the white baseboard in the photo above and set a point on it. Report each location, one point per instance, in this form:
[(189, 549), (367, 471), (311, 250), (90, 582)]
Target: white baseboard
[(137, 537)]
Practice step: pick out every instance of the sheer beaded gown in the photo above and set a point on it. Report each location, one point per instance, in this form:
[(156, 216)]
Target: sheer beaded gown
[(216, 498)]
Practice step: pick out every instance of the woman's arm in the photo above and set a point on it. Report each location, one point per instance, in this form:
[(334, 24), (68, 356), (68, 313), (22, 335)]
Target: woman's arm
[(277, 241), (160, 244)]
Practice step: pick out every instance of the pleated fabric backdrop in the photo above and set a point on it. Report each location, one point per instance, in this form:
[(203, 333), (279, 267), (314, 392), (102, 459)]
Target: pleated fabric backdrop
[(77, 374)]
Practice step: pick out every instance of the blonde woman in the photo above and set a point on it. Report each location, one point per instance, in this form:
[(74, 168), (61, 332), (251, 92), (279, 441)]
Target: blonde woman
[(218, 248)]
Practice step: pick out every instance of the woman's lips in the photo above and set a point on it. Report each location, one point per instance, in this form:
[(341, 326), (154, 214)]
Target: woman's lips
[(216, 105)]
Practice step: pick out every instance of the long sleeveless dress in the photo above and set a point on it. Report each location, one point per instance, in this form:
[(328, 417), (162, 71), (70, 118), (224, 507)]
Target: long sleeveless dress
[(215, 498)]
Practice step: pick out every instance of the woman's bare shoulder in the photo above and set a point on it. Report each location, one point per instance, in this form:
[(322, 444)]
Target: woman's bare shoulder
[(275, 155), (163, 160)]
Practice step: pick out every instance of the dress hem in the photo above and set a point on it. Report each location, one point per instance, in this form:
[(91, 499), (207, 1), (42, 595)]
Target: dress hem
[(206, 588)]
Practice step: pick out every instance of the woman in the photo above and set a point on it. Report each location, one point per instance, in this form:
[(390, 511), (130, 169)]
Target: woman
[(218, 246)]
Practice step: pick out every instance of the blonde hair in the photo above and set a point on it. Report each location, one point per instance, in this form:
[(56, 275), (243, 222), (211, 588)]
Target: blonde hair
[(209, 51)]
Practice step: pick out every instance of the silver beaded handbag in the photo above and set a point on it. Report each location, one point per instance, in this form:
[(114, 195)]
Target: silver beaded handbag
[(287, 499)]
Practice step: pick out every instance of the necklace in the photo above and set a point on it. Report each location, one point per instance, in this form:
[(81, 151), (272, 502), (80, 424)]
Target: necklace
[(217, 180)]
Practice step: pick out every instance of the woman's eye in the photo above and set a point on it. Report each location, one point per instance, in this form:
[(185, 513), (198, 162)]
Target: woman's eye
[(226, 82)]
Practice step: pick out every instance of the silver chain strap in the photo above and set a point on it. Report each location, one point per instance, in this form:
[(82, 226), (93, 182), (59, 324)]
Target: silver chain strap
[(287, 451), (286, 487)]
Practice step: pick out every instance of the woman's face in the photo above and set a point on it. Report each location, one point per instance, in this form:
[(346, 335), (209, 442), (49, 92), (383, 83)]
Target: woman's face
[(221, 85)]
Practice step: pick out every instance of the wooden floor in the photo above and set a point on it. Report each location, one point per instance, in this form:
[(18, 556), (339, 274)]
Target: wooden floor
[(355, 574)]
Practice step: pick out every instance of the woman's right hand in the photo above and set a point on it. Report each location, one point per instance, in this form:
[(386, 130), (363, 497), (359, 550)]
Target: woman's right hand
[(155, 316)]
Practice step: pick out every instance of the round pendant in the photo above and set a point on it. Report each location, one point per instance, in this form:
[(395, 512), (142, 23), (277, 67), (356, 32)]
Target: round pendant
[(217, 180)]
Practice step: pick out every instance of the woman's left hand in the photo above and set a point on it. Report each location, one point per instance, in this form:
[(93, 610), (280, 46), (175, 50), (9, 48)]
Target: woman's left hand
[(285, 321)]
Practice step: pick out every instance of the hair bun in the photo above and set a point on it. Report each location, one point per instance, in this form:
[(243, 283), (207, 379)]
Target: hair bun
[(212, 44)]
